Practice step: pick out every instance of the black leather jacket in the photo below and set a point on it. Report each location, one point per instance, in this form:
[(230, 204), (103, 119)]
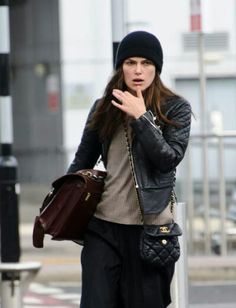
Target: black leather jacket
[(156, 152)]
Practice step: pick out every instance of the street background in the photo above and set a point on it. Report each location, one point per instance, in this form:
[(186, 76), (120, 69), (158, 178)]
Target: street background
[(55, 59)]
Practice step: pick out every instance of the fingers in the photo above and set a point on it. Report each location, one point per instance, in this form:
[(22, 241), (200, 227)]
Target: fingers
[(118, 105), (122, 95), (119, 95), (139, 92), (133, 105)]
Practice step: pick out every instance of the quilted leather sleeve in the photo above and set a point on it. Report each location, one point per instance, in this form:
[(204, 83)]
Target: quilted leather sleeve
[(165, 148)]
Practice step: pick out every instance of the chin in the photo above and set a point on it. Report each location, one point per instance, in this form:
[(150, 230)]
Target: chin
[(134, 88)]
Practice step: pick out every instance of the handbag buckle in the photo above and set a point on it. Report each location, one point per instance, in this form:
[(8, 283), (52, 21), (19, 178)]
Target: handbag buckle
[(92, 176), (88, 173), (87, 196)]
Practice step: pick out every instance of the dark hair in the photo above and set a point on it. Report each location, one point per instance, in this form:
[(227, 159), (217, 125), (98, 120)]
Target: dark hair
[(107, 117)]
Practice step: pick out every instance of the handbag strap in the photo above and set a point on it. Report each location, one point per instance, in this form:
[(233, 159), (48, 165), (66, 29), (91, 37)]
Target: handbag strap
[(173, 195), (131, 161)]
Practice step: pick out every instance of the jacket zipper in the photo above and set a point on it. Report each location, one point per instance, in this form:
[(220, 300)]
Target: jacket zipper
[(136, 186), (157, 127), (134, 174)]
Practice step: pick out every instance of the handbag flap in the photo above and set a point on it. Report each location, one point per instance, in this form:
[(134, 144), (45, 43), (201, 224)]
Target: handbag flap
[(172, 229), (82, 174)]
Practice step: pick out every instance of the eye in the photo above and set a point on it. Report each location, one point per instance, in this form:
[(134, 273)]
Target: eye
[(147, 62), (129, 62)]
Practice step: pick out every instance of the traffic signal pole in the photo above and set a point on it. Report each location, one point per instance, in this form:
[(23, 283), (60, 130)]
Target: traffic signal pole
[(9, 189)]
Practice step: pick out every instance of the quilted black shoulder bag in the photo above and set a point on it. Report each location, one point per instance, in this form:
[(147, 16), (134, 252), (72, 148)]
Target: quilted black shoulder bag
[(159, 244)]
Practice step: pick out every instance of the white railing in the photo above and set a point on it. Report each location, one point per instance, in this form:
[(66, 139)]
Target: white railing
[(207, 156)]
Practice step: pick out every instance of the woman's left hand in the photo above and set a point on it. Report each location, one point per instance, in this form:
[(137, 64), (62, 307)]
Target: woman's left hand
[(133, 106)]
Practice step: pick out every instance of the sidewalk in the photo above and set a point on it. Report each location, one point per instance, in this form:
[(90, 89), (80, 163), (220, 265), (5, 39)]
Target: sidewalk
[(205, 268)]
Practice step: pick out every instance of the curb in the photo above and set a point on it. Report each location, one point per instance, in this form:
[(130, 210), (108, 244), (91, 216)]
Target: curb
[(203, 268)]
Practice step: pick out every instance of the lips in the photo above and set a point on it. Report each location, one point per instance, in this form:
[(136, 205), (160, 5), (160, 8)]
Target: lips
[(138, 81)]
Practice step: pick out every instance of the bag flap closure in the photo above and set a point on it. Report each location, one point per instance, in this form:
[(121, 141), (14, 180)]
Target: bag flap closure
[(172, 229)]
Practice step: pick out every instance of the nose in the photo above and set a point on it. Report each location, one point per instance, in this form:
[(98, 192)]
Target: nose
[(138, 68)]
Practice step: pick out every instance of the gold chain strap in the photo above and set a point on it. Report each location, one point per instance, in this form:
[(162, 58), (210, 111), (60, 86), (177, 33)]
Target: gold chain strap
[(173, 196), (172, 201), (132, 166)]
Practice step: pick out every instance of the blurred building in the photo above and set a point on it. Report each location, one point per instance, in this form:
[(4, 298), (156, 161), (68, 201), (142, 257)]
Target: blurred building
[(62, 59), (36, 89)]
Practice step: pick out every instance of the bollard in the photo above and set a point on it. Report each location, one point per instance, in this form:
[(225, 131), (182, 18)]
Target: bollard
[(179, 288), (10, 294), (9, 220), (12, 290), (9, 216)]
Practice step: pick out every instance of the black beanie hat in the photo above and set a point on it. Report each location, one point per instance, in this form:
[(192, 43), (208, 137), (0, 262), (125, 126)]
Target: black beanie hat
[(140, 44)]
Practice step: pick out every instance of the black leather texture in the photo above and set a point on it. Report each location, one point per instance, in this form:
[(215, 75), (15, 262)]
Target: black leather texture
[(157, 149), (159, 245)]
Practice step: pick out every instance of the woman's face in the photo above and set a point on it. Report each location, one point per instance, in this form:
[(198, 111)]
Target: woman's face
[(138, 72)]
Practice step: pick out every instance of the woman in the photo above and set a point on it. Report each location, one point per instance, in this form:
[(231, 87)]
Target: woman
[(141, 130)]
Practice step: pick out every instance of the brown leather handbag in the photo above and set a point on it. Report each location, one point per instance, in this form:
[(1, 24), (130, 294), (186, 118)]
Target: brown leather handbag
[(68, 207)]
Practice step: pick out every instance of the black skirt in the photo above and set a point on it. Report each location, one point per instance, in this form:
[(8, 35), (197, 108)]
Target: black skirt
[(114, 276)]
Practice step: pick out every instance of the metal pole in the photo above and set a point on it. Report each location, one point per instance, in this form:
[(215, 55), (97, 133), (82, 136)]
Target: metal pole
[(190, 211), (180, 279), (206, 199), (9, 189), (196, 26), (222, 197), (118, 23)]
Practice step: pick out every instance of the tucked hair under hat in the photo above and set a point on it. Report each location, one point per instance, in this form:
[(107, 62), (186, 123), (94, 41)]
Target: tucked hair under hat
[(140, 44)]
